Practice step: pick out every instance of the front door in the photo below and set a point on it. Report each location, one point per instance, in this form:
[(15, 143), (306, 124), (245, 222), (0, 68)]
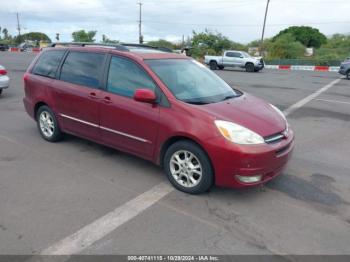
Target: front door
[(125, 123)]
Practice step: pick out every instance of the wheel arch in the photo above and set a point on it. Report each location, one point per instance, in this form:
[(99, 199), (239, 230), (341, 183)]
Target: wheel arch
[(38, 105), (172, 140)]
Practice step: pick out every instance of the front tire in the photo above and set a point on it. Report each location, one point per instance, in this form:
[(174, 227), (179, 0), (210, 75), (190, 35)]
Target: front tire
[(188, 167), (213, 65), (0, 92), (249, 67), (48, 125), (348, 75)]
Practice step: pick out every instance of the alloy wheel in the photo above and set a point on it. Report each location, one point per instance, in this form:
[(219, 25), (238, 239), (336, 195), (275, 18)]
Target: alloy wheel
[(185, 168), (46, 124)]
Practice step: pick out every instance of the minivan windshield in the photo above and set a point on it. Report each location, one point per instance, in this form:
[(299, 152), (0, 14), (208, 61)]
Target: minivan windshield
[(192, 82)]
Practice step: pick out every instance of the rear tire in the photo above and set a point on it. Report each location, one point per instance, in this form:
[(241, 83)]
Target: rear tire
[(48, 125), (188, 167), (213, 65), (249, 67)]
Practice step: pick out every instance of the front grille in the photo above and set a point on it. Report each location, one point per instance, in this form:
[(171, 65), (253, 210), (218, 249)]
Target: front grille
[(274, 138)]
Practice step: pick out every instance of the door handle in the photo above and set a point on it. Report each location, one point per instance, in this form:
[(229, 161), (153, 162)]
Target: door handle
[(93, 95), (107, 100)]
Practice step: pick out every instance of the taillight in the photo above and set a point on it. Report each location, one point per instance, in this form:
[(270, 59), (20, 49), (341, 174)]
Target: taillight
[(3, 72)]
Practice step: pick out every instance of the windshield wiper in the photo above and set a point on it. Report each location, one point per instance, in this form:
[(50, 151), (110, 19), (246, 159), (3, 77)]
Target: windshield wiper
[(228, 97), (197, 102)]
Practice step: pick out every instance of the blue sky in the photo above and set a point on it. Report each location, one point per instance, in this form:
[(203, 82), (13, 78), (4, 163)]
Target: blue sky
[(240, 20)]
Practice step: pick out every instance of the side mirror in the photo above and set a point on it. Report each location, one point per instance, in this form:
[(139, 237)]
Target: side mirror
[(145, 95), (241, 56)]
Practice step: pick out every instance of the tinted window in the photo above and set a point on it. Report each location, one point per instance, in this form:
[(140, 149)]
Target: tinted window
[(125, 77), (82, 68), (48, 63), (233, 54)]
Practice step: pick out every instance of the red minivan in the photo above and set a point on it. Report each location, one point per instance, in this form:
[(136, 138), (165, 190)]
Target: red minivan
[(163, 107)]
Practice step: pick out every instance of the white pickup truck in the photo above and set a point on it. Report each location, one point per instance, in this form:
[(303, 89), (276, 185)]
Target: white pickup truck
[(233, 58)]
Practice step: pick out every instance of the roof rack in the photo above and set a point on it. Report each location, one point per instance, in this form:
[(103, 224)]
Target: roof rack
[(140, 46), (116, 46), (121, 47)]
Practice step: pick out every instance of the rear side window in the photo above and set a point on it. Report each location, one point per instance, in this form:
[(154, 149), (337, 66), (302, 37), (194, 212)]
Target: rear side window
[(233, 54), (48, 63), (125, 77), (82, 68)]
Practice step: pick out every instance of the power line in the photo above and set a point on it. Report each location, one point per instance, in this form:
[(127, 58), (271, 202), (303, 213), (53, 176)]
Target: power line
[(244, 25)]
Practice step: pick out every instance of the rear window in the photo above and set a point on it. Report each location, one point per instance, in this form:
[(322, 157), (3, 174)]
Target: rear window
[(82, 68), (48, 63)]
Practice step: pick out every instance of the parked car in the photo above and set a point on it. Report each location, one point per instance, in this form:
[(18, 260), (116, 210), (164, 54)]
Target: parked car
[(163, 107), (4, 79), (4, 47), (233, 58), (25, 47), (345, 68)]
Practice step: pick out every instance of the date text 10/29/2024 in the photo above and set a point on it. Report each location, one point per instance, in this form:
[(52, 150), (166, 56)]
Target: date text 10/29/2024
[(173, 258)]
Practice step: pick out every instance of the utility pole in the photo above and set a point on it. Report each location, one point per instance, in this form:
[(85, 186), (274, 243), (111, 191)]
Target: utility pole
[(263, 31), (140, 24), (18, 25)]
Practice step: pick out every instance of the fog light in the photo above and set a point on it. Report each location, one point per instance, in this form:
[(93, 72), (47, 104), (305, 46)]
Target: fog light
[(249, 179)]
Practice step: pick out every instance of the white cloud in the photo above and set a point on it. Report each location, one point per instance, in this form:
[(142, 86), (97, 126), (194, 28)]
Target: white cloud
[(240, 20)]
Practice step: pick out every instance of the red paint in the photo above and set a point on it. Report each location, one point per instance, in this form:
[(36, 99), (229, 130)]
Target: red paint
[(145, 95), (157, 124), (14, 49), (321, 68), (284, 67), (3, 72)]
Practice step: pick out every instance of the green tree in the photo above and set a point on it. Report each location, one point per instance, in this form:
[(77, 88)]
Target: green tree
[(83, 36), (33, 36), (308, 36), (335, 50), (5, 32), (106, 40), (162, 43), (212, 42), (285, 46)]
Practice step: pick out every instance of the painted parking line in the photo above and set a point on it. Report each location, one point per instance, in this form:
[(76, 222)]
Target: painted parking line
[(333, 101), (95, 231), (307, 99)]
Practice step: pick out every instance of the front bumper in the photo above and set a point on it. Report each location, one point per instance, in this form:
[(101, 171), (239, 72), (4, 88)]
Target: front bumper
[(258, 66), (342, 71), (231, 161), (4, 82)]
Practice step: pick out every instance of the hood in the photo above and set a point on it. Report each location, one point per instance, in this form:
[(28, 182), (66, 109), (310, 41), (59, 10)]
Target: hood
[(248, 111)]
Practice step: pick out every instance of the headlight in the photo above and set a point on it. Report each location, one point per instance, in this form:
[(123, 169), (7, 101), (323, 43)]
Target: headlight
[(238, 134), (279, 112)]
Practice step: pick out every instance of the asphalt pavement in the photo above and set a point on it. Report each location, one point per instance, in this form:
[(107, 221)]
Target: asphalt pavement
[(49, 192)]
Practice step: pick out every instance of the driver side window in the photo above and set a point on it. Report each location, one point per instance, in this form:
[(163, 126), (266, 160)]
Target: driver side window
[(125, 76)]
